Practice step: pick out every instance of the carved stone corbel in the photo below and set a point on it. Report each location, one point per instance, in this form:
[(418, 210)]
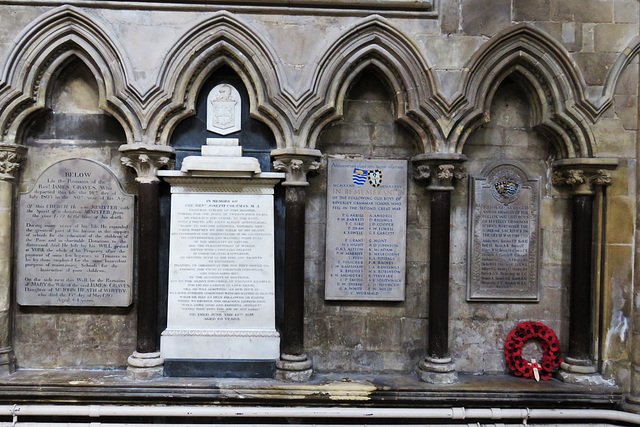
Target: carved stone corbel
[(146, 160), (296, 164), (11, 157), (582, 175), (440, 170)]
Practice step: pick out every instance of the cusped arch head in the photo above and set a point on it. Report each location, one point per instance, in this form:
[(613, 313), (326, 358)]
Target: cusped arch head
[(219, 40), (374, 44), (42, 51), (549, 79)]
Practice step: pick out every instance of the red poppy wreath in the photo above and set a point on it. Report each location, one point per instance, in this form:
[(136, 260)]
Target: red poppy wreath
[(513, 350)]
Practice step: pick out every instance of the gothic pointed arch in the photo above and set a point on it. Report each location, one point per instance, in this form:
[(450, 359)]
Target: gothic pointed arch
[(220, 40), (42, 50), (549, 77), (375, 44), (623, 59)]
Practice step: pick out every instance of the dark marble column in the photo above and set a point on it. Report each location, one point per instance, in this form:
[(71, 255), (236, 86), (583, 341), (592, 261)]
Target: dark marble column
[(294, 365), (581, 175), (11, 156), (440, 171), (146, 362)]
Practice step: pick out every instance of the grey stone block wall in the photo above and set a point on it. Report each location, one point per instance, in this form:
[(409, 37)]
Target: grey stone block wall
[(594, 37)]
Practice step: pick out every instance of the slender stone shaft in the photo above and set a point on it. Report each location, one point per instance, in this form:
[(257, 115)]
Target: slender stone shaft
[(294, 365), (438, 338), (146, 362), (7, 359), (147, 339), (580, 306), (293, 326), (11, 156), (441, 171)]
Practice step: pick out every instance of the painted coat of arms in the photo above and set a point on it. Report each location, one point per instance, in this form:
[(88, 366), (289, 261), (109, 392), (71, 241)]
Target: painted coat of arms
[(361, 176)]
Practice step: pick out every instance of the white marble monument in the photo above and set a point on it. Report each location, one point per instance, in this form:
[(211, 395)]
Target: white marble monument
[(221, 297)]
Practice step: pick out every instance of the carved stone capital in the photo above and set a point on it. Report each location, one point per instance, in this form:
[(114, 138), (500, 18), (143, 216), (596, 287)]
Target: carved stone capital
[(146, 160), (583, 174), (440, 170), (296, 164), (11, 157)]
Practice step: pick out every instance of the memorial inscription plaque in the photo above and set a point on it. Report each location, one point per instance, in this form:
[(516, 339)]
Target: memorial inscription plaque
[(366, 230), (75, 238), (221, 271), (504, 230)]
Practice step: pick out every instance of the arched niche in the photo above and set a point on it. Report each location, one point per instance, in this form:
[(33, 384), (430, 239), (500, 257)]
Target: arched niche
[(72, 113), (72, 124), (512, 133), (368, 126), (366, 336), (257, 140)]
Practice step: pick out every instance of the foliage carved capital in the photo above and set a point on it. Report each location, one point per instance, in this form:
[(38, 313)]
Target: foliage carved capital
[(440, 171), (146, 160), (296, 164), (582, 175), (11, 158)]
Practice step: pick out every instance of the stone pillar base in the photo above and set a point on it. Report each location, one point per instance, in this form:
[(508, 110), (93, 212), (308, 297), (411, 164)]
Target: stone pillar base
[(437, 371), (145, 366), (575, 371), (293, 367), (631, 404), (7, 362)]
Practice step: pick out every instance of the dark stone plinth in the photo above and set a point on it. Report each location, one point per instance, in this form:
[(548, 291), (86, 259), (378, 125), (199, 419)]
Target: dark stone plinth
[(219, 368)]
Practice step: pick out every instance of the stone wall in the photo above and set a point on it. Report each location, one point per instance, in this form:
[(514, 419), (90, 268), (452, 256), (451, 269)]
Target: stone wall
[(74, 126), (530, 80)]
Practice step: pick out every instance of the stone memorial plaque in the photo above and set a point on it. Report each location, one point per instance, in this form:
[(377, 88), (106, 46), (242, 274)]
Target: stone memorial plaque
[(221, 277), (504, 230), (366, 230), (75, 238)]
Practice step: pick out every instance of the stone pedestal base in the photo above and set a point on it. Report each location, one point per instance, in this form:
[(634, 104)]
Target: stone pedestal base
[(7, 362), (437, 371), (631, 404), (296, 368), (145, 366), (583, 372)]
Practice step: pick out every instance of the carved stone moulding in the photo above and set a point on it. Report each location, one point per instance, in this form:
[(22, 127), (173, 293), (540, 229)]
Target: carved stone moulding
[(390, 7), (296, 163), (11, 157), (583, 173), (440, 170), (146, 159)]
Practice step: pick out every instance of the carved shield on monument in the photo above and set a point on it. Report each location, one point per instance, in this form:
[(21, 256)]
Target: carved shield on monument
[(223, 110)]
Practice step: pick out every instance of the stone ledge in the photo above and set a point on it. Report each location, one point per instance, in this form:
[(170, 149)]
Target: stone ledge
[(113, 386)]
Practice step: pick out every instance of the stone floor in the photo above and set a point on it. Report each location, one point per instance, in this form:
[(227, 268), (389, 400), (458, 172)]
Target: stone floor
[(113, 387)]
